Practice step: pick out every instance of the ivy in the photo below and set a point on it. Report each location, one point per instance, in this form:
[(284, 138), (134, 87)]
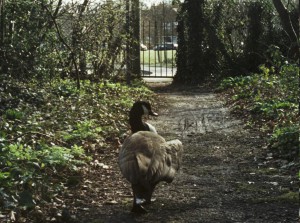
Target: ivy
[(48, 135), (270, 100)]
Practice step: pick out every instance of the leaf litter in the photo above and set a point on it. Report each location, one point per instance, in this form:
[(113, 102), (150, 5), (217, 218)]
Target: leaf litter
[(212, 186)]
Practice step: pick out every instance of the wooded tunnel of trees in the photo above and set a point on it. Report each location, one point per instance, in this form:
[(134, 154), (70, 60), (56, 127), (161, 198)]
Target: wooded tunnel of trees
[(50, 39), (65, 91), (226, 38)]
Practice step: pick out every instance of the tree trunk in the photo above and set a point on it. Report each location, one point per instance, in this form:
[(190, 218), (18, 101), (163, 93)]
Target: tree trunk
[(285, 20), (136, 60), (3, 63), (195, 38), (128, 63)]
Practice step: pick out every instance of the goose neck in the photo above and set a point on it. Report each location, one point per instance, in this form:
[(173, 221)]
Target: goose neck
[(136, 123)]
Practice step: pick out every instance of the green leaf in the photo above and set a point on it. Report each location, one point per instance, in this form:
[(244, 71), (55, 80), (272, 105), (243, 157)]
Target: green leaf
[(26, 199)]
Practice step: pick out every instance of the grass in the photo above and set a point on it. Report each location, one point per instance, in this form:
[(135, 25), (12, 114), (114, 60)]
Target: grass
[(286, 197), (153, 57)]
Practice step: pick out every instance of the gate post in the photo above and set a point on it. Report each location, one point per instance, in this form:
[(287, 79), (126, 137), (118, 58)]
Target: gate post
[(136, 60)]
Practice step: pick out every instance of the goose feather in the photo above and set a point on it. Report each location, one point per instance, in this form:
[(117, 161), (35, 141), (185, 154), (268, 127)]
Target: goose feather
[(145, 159)]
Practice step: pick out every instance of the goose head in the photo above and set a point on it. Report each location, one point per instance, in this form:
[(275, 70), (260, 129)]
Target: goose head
[(139, 109)]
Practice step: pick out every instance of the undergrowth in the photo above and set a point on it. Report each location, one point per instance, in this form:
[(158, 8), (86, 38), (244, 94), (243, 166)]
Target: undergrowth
[(270, 100), (49, 133)]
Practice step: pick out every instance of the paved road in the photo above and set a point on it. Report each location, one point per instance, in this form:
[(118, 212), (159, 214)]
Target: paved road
[(158, 71)]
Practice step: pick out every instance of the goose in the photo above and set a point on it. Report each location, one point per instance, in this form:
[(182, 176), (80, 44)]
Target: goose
[(139, 109), (145, 159)]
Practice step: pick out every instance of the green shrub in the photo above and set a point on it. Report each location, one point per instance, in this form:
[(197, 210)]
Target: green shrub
[(13, 114), (87, 130), (285, 142), (46, 133), (270, 99), (24, 168)]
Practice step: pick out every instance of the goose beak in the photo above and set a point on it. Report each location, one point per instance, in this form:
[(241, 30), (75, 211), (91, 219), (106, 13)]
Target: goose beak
[(153, 113)]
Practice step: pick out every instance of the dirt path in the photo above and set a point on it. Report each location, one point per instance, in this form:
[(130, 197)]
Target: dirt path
[(224, 176)]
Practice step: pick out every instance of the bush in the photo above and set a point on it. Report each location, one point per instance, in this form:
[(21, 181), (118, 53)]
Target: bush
[(270, 100), (24, 171), (285, 142), (48, 133)]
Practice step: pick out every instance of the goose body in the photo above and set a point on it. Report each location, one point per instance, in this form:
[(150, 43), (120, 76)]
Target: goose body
[(146, 159)]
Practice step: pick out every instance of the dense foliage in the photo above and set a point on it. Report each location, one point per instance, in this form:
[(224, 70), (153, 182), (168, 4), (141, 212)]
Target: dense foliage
[(48, 39), (49, 134), (269, 99), (232, 38), (60, 102), (61, 97)]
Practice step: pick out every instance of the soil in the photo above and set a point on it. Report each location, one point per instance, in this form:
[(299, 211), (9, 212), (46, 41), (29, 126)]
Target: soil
[(227, 174)]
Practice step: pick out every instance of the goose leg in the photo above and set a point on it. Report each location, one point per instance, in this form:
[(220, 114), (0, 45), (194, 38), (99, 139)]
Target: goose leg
[(149, 195), (137, 202), (138, 208)]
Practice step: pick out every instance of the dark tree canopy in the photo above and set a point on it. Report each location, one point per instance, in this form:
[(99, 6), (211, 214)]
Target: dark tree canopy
[(227, 38)]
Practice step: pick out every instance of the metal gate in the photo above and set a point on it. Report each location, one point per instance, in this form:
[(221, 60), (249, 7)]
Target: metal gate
[(158, 41)]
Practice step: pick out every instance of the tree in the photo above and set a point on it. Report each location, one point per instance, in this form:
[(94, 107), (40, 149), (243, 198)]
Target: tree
[(182, 70), (135, 18), (133, 60), (3, 67), (225, 37), (254, 47), (292, 29), (77, 49), (190, 38), (27, 34)]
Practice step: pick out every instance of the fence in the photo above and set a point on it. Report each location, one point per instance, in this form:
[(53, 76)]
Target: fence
[(158, 41)]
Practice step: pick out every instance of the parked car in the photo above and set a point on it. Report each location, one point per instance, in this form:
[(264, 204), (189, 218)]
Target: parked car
[(166, 46), (143, 47)]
